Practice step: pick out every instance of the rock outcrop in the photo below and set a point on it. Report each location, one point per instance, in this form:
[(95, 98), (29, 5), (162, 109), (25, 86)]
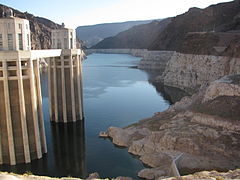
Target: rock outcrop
[(212, 175), (202, 132), (189, 72), (155, 60)]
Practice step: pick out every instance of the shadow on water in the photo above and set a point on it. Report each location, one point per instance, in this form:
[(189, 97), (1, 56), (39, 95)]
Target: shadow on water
[(68, 154), (171, 94), (65, 145), (69, 148)]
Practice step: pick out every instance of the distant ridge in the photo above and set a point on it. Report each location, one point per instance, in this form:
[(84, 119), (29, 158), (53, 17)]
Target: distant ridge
[(92, 34), (137, 37), (214, 30)]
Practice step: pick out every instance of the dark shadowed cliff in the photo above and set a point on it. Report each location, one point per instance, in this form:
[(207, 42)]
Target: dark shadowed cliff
[(93, 34), (138, 37), (40, 28), (203, 31)]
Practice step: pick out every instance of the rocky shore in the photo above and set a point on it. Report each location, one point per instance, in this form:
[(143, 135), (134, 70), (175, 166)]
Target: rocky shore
[(201, 131), (205, 175)]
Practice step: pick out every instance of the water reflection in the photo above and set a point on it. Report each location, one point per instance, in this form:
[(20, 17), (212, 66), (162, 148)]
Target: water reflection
[(109, 71), (65, 143), (169, 93), (69, 148), (35, 167)]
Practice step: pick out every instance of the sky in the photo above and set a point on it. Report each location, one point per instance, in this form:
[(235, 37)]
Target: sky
[(87, 12)]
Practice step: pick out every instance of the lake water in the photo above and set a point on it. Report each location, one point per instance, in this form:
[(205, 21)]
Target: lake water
[(115, 94)]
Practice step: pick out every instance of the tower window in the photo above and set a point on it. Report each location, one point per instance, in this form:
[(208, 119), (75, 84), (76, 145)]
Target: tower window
[(28, 40), (59, 44), (10, 41), (1, 42), (53, 45), (20, 41), (71, 43), (65, 43)]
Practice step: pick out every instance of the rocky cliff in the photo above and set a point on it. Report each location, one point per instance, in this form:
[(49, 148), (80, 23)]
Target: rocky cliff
[(189, 72), (211, 27), (40, 28), (202, 131), (212, 175), (155, 60)]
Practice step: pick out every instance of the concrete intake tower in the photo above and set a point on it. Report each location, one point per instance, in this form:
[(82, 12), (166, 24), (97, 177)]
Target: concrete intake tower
[(22, 132)]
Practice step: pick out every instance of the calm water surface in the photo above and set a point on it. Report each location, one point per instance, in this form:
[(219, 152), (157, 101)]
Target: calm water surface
[(115, 94)]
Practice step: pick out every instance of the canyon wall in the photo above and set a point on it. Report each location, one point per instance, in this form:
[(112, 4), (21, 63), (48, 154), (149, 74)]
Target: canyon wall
[(201, 131), (155, 60), (189, 72)]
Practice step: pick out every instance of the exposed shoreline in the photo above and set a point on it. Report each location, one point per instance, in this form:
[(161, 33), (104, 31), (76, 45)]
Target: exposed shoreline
[(198, 137), (205, 175), (191, 123)]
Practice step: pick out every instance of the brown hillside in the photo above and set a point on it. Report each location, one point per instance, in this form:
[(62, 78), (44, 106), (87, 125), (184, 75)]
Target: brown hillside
[(208, 22)]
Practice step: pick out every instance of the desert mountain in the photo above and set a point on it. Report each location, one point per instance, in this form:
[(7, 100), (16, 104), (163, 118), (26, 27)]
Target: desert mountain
[(93, 34), (212, 30), (137, 37)]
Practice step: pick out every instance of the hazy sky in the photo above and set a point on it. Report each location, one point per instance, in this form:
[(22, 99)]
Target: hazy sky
[(86, 12)]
